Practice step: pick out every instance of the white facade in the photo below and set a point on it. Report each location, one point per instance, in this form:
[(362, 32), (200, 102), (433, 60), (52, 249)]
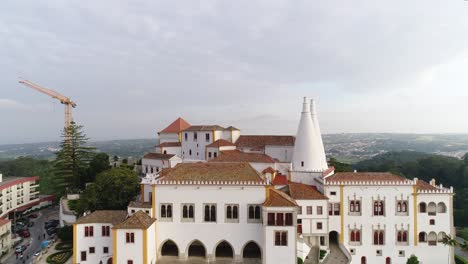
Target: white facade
[(281, 153), (97, 243), (184, 232), (168, 137), (194, 143), (394, 220), (18, 193), (155, 165)]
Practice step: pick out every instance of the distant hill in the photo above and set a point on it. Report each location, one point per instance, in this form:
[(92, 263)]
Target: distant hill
[(122, 148), (346, 147)]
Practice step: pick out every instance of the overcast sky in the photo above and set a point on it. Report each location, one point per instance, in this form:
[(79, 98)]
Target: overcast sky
[(135, 66)]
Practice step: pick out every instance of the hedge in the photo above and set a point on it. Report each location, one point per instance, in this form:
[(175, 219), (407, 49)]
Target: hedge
[(59, 257), (64, 246), (460, 260)]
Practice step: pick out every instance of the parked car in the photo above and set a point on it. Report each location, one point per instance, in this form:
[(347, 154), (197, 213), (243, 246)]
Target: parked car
[(51, 231), (25, 233)]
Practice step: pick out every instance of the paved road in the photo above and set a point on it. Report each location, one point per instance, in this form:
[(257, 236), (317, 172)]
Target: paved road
[(36, 230)]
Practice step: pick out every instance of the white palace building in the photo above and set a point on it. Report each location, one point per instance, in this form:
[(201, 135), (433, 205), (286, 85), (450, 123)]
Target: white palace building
[(210, 194)]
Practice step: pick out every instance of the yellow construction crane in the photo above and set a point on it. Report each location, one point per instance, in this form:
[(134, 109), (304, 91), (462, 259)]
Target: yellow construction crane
[(63, 99)]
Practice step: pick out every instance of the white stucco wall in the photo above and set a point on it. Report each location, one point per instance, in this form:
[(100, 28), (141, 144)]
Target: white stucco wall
[(282, 153), (279, 254), (168, 137), (158, 164), (183, 233), (97, 241), (129, 251)]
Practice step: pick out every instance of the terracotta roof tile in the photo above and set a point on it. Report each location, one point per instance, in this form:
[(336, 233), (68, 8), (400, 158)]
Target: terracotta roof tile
[(169, 144), (175, 127), (204, 128), (365, 177), (220, 143), (280, 180), (138, 220), (299, 191), (423, 185), (158, 156), (253, 141), (103, 216), (239, 156), (278, 199), (139, 204), (229, 172)]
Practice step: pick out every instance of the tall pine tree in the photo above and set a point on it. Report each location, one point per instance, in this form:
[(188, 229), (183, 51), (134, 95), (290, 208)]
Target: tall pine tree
[(72, 160)]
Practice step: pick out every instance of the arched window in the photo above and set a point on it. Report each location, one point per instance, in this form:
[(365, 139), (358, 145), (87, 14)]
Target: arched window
[(402, 236), (363, 260), (379, 208), (165, 152), (191, 211), (235, 213), (422, 207), (432, 239), (251, 212), (378, 237), (432, 208), (213, 213), (441, 236), (185, 211), (190, 152), (422, 237), (388, 260), (355, 236), (399, 207), (229, 212), (163, 211), (257, 212), (441, 208), (404, 207)]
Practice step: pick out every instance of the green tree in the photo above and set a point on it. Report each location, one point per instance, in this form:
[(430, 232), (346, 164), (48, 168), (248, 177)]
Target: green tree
[(72, 160), (116, 158), (340, 166), (98, 164), (413, 260), (112, 190)]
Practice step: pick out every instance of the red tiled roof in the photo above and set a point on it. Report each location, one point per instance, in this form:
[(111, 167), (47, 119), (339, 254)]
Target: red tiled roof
[(170, 144), (175, 127), (208, 171), (158, 156), (364, 177), (269, 170), (278, 199), (239, 156), (299, 191), (253, 141), (422, 185), (280, 180), (220, 143), (204, 128)]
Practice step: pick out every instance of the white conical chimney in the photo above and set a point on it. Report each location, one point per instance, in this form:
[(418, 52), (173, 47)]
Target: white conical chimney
[(308, 152), (321, 157)]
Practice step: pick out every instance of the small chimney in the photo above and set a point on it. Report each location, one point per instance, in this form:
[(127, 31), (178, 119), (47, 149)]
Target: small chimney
[(1, 177), (355, 171), (433, 182)]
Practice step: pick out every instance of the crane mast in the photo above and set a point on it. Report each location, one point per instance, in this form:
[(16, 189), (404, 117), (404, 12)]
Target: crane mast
[(68, 103)]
